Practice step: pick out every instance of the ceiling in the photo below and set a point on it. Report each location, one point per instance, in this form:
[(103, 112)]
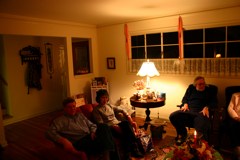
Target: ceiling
[(108, 12)]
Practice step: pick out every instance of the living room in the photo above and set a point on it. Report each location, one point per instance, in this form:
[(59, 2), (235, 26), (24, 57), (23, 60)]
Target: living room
[(18, 32)]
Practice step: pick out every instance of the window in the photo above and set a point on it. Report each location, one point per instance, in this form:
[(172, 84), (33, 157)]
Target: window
[(81, 56), (198, 43), (201, 47)]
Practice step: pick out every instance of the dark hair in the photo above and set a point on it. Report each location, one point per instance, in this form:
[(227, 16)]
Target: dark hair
[(197, 78), (67, 100), (100, 93)]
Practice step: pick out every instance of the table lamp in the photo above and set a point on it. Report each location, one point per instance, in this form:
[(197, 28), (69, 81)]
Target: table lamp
[(148, 69)]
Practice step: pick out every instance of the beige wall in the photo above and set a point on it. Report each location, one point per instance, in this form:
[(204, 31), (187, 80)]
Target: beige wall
[(112, 44), (20, 32)]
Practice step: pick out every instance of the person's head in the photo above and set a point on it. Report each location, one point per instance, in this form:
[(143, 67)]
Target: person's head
[(69, 106), (102, 96), (199, 83)]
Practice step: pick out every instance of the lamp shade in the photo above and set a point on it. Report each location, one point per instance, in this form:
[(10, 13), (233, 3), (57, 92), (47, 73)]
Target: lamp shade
[(148, 69)]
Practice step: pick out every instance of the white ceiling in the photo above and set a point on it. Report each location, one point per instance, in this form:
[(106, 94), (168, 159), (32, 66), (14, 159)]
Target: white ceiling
[(107, 12)]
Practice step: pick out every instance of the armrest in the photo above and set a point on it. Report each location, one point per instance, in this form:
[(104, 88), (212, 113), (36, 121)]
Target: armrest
[(180, 106)]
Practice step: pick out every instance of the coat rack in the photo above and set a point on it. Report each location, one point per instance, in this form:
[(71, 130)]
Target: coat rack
[(32, 56)]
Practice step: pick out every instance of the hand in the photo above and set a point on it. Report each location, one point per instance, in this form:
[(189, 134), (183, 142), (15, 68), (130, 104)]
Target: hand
[(205, 112), (93, 135), (185, 107), (82, 155), (67, 145), (117, 129)]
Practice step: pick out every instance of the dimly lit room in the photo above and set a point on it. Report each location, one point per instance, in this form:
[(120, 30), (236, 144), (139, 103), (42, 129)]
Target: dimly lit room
[(149, 56)]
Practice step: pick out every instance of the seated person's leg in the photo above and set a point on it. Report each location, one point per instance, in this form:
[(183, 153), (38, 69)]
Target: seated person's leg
[(179, 120), (202, 125), (234, 137), (103, 143), (130, 140)]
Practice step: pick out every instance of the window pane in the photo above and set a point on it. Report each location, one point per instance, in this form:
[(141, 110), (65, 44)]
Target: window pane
[(137, 40), (153, 39), (193, 36), (233, 33), (154, 52), (193, 51), (170, 38), (215, 34), (81, 54), (170, 52), (233, 49), (138, 53), (212, 49)]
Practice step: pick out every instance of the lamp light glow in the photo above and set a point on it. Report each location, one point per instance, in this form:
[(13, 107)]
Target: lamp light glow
[(148, 69)]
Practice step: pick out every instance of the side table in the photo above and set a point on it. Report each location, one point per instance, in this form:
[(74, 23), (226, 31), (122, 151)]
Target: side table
[(149, 103)]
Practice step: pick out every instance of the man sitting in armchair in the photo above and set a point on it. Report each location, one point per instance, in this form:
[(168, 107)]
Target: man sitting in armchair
[(80, 136), (197, 101)]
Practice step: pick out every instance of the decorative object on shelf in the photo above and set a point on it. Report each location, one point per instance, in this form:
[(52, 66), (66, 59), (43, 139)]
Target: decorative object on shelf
[(111, 63), (99, 81), (49, 59), (148, 69), (139, 84), (97, 84), (32, 56)]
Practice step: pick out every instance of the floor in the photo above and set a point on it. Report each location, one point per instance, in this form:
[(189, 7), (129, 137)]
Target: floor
[(27, 140)]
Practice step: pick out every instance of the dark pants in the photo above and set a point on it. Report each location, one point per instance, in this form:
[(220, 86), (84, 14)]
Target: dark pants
[(234, 132), (128, 137), (180, 120), (103, 141)]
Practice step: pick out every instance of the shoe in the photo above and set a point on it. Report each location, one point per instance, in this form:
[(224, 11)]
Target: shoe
[(180, 140), (136, 153)]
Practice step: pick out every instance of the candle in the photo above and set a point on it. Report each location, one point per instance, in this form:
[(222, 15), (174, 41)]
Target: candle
[(195, 137), (195, 134)]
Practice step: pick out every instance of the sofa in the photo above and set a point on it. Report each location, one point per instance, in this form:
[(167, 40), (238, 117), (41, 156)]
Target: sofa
[(86, 109)]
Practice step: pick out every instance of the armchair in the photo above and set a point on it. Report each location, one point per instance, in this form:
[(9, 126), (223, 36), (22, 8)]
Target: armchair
[(224, 134)]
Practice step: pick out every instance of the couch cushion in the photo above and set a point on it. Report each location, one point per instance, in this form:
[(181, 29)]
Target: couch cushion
[(87, 110)]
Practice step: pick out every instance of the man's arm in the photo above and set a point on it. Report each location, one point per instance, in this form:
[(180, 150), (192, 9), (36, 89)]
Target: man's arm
[(187, 94), (185, 98), (67, 145)]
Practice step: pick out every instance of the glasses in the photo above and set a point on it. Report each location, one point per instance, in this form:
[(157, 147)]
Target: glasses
[(201, 84)]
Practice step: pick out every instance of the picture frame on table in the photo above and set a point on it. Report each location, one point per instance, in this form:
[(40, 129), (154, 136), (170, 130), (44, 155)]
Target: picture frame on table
[(111, 64)]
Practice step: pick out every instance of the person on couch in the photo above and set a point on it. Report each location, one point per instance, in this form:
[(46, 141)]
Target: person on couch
[(194, 113), (234, 113), (106, 113), (80, 136)]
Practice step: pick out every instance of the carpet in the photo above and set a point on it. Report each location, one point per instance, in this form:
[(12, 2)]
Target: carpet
[(160, 148)]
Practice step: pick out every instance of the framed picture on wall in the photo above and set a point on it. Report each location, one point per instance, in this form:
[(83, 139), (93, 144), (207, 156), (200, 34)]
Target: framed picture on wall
[(111, 63)]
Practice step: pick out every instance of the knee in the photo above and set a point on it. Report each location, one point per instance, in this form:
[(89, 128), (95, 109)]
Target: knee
[(173, 116)]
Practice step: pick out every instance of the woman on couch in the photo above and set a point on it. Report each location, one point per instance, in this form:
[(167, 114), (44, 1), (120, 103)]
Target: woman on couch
[(105, 113)]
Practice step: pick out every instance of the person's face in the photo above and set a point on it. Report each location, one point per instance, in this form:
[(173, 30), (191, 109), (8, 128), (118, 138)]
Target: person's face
[(70, 108), (200, 85), (103, 99)]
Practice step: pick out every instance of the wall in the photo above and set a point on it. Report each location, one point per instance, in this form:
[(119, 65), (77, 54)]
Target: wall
[(112, 44), (19, 32)]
